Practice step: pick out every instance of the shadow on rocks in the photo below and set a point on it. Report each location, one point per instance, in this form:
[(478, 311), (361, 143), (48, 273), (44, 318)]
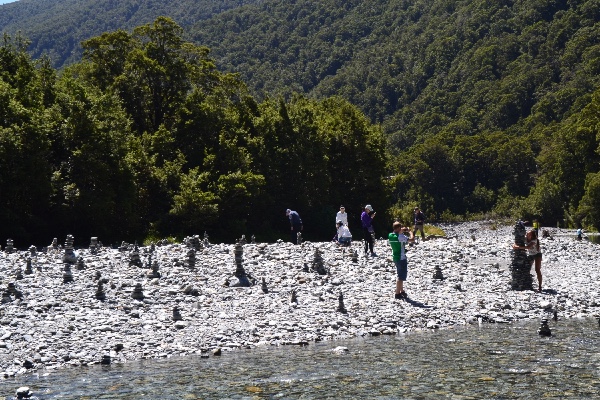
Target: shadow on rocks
[(416, 303)]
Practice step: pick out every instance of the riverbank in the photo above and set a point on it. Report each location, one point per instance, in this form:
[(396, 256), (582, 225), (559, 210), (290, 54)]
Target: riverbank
[(56, 324)]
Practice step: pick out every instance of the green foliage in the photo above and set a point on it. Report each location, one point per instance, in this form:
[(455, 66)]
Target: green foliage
[(145, 138), (483, 106), (590, 203)]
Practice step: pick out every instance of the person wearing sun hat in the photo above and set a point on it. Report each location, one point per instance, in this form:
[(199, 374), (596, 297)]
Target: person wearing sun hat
[(366, 219)]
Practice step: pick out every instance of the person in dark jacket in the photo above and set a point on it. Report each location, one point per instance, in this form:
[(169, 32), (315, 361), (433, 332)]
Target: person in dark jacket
[(419, 222), (295, 224)]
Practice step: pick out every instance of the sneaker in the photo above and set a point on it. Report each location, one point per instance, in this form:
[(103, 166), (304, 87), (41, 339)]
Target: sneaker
[(403, 295), (373, 254), (398, 296)]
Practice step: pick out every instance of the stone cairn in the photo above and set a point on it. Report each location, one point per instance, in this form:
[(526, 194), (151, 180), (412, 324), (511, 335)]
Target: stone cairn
[(100, 293), (67, 274), (299, 238), (54, 244), (318, 264), (263, 285), (437, 274), (205, 242), (138, 292), (520, 268), (243, 240), (176, 314), (9, 246), (124, 246), (341, 307), (134, 256), (94, 247), (293, 296), (544, 329), (240, 272), (32, 251), (80, 266), (354, 256), (19, 274), (253, 239), (69, 257), (28, 268), (193, 242), (191, 258), (13, 291), (5, 297), (155, 272)]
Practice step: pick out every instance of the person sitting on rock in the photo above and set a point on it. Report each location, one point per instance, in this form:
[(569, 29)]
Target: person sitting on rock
[(534, 254), (344, 237)]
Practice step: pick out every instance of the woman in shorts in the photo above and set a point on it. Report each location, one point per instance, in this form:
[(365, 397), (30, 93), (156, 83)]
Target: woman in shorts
[(534, 254)]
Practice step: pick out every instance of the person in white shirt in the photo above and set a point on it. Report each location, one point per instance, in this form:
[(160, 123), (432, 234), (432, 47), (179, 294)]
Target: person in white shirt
[(344, 236), (342, 215)]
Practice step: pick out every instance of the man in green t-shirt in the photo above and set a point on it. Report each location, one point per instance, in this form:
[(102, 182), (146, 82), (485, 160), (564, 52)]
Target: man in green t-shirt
[(398, 241)]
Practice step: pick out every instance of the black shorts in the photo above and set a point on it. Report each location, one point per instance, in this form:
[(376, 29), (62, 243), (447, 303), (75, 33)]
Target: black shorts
[(534, 257)]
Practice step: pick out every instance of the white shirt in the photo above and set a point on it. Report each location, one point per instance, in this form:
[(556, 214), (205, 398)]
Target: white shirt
[(342, 216), (343, 231)]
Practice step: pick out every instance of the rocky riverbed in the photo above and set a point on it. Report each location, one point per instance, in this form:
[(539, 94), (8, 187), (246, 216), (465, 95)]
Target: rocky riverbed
[(46, 323)]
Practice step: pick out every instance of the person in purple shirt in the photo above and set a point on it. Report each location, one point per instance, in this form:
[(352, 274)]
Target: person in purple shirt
[(367, 224)]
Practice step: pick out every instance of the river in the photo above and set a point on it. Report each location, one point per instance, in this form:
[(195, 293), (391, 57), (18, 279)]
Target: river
[(487, 361)]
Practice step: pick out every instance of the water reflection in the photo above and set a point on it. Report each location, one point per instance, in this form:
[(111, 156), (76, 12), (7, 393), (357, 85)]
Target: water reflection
[(494, 361)]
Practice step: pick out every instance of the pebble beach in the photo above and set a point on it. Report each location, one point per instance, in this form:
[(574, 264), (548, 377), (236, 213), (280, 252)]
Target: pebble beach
[(198, 309)]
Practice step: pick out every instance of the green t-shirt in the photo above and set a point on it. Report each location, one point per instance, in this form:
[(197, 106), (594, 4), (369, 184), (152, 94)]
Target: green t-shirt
[(398, 242)]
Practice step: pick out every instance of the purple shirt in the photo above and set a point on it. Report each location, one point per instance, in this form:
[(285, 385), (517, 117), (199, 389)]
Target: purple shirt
[(366, 219)]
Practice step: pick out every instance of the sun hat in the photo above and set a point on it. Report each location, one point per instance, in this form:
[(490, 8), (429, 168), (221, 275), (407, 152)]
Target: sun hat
[(368, 207)]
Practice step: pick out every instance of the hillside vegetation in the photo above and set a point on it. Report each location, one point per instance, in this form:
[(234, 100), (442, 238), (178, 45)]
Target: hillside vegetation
[(145, 138), (57, 27), (487, 106)]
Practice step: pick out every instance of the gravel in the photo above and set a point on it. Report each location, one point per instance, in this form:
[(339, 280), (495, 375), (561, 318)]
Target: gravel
[(199, 309)]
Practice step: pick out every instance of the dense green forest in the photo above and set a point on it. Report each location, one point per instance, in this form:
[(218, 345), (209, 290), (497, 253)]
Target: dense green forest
[(485, 107), (145, 138), (57, 27)]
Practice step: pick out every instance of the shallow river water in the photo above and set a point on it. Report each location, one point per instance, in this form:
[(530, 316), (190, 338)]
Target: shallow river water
[(490, 361)]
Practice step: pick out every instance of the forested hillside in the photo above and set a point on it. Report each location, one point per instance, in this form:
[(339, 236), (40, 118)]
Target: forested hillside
[(486, 106), (145, 138), (474, 95), (57, 27)]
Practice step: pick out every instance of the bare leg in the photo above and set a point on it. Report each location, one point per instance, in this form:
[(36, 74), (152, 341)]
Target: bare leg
[(538, 271), (399, 286)]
